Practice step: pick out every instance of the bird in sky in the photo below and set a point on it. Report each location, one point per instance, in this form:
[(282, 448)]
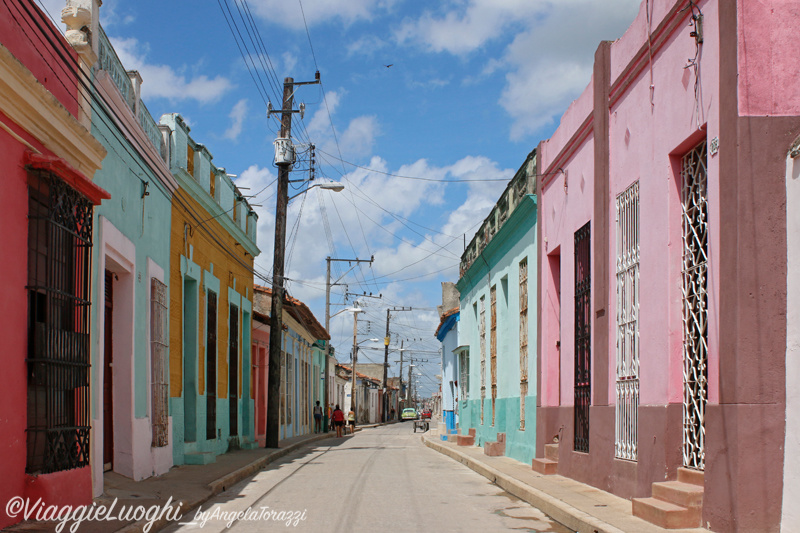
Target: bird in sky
[(389, 65)]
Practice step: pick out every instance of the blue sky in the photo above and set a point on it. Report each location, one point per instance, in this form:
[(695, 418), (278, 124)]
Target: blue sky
[(473, 86)]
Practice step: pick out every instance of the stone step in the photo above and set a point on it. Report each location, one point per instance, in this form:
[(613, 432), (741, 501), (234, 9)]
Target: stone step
[(679, 493), (465, 440), (199, 458), (665, 514), (551, 452), (690, 475), (546, 467), (494, 449)]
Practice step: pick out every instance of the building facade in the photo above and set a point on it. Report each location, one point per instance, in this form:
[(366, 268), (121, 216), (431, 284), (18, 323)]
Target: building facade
[(49, 160), (130, 333), (498, 365), (662, 251), (302, 365), (447, 334), (213, 245)]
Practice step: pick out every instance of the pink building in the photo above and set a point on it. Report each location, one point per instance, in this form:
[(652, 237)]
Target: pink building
[(663, 260), (49, 158)]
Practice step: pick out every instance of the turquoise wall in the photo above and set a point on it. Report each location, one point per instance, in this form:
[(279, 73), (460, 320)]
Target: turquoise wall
[(498, 265), (145, 221)]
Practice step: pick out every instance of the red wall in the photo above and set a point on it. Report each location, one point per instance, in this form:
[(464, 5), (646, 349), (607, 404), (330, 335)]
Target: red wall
[(37, 44)]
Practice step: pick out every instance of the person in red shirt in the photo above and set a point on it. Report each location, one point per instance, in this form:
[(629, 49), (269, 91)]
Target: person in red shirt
[(338, 420)]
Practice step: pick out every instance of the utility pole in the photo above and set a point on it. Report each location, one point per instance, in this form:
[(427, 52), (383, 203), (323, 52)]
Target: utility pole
[(353, 395), (328, 284), (284, 158), (400, 390), (386, 361)]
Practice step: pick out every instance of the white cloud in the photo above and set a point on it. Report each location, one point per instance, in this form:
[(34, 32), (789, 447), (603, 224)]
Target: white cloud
[(318, 11), (289, 61), (162, 81), (359, 137), (549, 59), (237, 116)]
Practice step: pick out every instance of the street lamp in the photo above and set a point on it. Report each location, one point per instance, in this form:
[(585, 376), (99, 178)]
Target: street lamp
[(328, 185)]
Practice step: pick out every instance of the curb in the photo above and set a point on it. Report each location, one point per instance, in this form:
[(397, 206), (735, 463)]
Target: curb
[(219, 485), (556, 509)]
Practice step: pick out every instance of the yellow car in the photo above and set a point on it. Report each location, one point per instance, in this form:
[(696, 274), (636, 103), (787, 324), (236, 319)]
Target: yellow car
[(409, 413)]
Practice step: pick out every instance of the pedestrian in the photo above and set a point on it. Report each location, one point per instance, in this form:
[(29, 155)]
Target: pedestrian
[(338, 420), (317, 418), (351, 420), (392, 414)]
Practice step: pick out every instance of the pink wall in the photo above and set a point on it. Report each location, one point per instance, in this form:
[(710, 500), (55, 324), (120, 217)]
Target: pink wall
[(260, 377), (768, 73)]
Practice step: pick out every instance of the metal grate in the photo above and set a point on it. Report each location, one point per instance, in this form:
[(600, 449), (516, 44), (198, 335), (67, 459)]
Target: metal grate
[(493, 346), (523, 340), (627, 380), (211, 366), (58, 358), (694, 205), (482, 332), (463, 366), (233, 371), (583, 374), (159, 363)]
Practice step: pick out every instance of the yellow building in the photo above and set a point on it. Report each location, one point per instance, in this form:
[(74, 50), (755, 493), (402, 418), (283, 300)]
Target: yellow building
[(213, 245)]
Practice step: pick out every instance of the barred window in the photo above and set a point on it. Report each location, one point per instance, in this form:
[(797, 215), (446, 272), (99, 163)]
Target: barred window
[(523, 340), (463, 368), (159, 363), (59, 274)]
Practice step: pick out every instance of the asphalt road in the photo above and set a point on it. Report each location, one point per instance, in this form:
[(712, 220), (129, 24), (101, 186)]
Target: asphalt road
[(380, 479)]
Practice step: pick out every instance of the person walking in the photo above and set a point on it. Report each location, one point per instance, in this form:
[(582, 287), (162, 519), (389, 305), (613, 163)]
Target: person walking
[(317, 418), (351, 420), (338, 420)]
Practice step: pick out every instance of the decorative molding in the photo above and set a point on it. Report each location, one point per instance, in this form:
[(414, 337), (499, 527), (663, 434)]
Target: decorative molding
[(34, 109)]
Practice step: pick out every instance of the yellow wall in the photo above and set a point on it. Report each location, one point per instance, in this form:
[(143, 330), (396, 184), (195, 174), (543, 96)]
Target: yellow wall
[(226, 269)]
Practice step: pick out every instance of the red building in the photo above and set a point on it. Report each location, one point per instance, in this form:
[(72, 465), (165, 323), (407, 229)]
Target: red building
[(46, 209)]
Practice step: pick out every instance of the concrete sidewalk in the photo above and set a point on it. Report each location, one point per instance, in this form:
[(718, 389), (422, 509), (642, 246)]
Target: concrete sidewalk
[(189, 486), (580, 507)]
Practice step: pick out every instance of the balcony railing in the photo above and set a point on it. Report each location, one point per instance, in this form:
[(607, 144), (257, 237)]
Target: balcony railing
[(110, 62)]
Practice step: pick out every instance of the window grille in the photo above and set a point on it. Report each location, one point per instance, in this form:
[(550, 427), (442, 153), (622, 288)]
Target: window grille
[(211, 366), (463, 367), (627, 380), (159, 363), (493, 346), (694, 205), (233, 370), (283, 389), (289, 386), (523, 340), (58, 358), (482, 332), (583, 337)]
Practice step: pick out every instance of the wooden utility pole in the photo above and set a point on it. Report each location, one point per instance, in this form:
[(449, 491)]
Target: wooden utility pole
[(276, 310), (386, 361), (328, 285)]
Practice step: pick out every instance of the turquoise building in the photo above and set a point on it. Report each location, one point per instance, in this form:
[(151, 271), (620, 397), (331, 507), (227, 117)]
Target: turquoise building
[(497, 325), (131, 423)]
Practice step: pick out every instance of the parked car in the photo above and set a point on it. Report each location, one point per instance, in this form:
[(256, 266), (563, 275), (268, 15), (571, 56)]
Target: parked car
[(426, 414), (409, 413)]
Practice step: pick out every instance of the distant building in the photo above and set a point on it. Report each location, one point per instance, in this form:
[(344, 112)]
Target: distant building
[(302, 365), (447, 334)]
